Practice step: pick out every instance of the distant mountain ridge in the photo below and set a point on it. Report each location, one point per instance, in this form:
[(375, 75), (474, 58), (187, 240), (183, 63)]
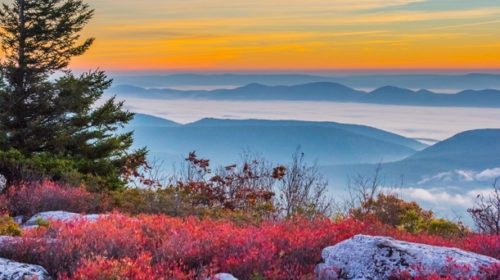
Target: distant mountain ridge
[(323, 91), (224, 140), (455, 82), (363, 130)]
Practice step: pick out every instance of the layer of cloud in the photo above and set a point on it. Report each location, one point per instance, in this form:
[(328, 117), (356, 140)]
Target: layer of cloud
[(462, 176), (441, 197)]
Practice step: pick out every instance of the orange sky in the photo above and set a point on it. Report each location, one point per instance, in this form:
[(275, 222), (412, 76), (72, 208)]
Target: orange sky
[(219, 35)]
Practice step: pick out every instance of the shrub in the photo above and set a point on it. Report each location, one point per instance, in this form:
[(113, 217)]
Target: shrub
[(453, 271), (147, 201), (287, 249), (17, 167), (30, 198), (393, 211), (486, 211), (444, 227), (408, 216), (250, 190), (9, 227), (138, 269), (485, 244)]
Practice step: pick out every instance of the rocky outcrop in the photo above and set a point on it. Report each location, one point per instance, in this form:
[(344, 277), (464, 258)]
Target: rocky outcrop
[(60, 216), (367, 257), (10, 270)]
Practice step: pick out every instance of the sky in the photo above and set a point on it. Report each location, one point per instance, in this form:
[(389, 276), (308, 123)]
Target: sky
[(293, 35)]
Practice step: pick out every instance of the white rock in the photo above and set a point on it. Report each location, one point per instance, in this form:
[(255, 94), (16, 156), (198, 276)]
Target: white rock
[(10, 270), (94, 217), (25, 228), (367, 257), (3, 183), (18, 219), (223, 276), (60, 216)]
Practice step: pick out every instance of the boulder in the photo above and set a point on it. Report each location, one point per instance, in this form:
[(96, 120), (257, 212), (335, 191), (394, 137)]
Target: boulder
[(374, 257), (60, 216), (10, 270), (223, 276), (93, 217)]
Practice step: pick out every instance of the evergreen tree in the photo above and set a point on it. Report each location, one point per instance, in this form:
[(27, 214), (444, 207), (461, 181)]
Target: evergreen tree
[(43, 117)]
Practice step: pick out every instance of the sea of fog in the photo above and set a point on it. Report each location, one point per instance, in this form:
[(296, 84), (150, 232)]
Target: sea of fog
[(428, 124)]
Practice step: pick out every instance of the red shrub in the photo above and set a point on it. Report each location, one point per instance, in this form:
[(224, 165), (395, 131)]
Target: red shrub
[(484, 244), (190, 247), (30, 198), (454, 271), (138, 269)]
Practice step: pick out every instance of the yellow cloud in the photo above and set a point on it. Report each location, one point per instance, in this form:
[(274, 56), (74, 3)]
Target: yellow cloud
[(288, 34)]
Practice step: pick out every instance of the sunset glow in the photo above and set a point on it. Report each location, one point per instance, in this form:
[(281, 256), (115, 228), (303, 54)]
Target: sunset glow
[(219, 35)]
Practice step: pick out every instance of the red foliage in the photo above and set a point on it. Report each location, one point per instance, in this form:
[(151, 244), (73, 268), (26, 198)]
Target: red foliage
[(138, 269), (147, 246), (453, 271), (485, 244), (34, 197)]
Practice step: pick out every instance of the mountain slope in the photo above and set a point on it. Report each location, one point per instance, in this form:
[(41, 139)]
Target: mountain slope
[(143, 120), (224, 140), (363, 130), (456, 161), (468, 148)]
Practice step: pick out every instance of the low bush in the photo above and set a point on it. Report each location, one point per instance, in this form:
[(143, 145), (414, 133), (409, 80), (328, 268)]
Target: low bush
[(17, 167), (148, 201), (140, 268), (452, 271), (408, 216), (28, 199), (190, 247), (9, 227)]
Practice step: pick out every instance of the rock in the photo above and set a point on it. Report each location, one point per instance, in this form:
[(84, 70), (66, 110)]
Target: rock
[(18, 220), (223, 276), (3, 183), (52, 216), (368, 257), (23, 227), (60, 216), (94, 217), (10, 270)]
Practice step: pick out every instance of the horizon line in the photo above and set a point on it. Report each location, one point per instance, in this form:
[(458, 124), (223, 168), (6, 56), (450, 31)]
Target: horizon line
[(371, 71)]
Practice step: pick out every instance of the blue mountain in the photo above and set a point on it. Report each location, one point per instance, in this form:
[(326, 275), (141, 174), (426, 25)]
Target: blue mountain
[(322, 91), (467, 152), (435, 81), (224, 140)]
